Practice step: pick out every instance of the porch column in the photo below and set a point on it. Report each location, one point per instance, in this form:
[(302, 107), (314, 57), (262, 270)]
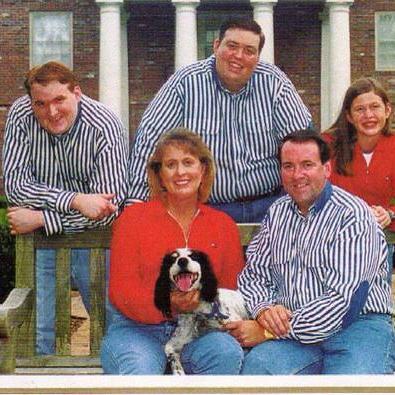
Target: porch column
[(186, 32), (339, 49), (110, 64), (263, 14)]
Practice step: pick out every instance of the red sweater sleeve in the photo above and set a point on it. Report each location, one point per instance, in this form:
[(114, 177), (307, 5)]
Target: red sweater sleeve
[(127, 290)]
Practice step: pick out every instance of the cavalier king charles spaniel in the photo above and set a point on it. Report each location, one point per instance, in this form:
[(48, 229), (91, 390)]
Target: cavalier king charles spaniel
[(185, 270)]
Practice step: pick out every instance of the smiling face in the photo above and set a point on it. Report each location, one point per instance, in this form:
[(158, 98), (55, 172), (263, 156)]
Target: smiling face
[(237, 55), (302, 172), (181, 173), (55, 106), (368, 114)]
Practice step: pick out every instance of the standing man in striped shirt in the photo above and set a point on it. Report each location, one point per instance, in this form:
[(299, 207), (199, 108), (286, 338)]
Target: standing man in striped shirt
[(65, 169), (316, 277), (241, 107)]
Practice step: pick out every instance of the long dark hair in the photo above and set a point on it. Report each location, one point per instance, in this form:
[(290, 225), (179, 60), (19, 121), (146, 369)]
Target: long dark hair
[(345, 135)]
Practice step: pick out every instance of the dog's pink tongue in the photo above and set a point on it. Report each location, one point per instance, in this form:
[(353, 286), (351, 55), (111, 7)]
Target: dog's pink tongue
[(184, 282)]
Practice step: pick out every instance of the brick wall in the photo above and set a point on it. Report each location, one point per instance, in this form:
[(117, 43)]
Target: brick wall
[(297, 43)]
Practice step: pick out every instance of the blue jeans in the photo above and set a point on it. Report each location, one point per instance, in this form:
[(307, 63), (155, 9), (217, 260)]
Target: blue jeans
[(365, 347), (249, 211), (133, 348), (45, 291)]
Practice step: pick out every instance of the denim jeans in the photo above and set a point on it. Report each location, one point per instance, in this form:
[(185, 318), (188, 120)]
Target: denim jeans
[(367, 346), (45, 291), (133, 348), (249, 211)]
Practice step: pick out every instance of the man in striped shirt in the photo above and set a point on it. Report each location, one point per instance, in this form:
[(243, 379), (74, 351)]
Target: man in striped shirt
[(316, 277), (65, 164), (242, 108)]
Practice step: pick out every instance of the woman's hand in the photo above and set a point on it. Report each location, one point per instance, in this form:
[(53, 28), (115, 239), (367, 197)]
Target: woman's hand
[(382, 216), (248, 333), (184, 302)]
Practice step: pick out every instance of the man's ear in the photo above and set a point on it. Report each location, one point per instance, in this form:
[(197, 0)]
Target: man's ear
[(216, 45), (328, 169), (77, 92)]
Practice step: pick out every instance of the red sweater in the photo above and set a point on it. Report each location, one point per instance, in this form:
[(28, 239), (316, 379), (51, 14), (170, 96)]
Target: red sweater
[(374, 183), (144, 233)]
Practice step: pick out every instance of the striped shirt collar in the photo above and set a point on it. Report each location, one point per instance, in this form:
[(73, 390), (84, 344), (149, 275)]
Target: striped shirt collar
[(247, 89)]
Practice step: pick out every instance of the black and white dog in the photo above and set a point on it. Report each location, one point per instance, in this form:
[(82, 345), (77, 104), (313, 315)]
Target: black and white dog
[(185, 269)]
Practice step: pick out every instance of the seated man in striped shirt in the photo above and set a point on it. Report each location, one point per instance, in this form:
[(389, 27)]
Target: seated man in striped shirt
[(316, 277), (242, 108), (65, 164)]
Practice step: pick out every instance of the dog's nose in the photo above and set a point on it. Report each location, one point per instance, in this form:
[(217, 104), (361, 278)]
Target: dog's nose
[(182, 263)]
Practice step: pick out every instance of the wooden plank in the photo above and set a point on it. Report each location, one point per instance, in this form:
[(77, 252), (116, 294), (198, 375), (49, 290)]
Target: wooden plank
[(96, 238), (247, 232), (57, 361), (63, 302), (97, 298), (25, 278), (15, 310)]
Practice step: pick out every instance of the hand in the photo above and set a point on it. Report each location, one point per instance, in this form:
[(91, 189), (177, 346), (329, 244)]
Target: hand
[(248, 333), (276, 319), (23, 220), (382, 216), (184, 302), (94, 206)]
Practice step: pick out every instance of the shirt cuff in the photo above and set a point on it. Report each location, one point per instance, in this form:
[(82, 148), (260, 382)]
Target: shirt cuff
[(63, 202), (52, 223)]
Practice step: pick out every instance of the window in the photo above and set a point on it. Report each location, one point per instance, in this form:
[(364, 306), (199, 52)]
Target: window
[(208, 28), (50, 37), (385, 40)]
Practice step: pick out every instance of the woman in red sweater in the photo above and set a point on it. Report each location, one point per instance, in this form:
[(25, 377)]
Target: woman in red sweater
[(180, 175), (363, 147)]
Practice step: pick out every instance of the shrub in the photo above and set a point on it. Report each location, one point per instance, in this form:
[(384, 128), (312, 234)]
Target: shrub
[(7, 254)]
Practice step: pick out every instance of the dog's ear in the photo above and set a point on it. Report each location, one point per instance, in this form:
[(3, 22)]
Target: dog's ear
[(209, 281), (162, 287)]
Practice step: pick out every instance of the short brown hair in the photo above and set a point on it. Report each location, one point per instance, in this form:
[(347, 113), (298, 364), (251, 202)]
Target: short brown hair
[(48, 72), (242, 23), (192, 143)]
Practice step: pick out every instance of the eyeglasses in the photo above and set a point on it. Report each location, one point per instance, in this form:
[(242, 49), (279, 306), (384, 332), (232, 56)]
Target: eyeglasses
[(375, 108)]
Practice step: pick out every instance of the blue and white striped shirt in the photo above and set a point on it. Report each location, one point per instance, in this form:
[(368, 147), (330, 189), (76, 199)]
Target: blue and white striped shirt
[(243, 130), (326, 267), (44, 172)]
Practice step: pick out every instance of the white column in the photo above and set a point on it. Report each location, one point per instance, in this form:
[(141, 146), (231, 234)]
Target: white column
[(325, 83), (186, 32), (339, 58), (263, 14), (125, 73), (110, 74)]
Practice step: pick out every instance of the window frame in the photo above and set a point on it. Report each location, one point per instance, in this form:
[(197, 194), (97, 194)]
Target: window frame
[(32, 14), (378, 65)]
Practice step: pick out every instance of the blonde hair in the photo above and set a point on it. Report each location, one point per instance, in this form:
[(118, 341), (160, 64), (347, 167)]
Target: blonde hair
[(192, 143)]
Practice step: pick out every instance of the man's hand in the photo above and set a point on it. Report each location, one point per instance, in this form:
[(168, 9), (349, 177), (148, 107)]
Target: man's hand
[(248, 333), (184, 302), (382, 216), (94, 206), (276, 320), (24, 220)]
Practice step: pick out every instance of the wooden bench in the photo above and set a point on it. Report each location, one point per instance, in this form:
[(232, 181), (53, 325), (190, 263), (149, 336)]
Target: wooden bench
[(17, 314)]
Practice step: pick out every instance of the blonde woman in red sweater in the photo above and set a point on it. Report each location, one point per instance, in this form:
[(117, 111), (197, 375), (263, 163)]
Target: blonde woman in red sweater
[(180, 176), (363, 147)]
